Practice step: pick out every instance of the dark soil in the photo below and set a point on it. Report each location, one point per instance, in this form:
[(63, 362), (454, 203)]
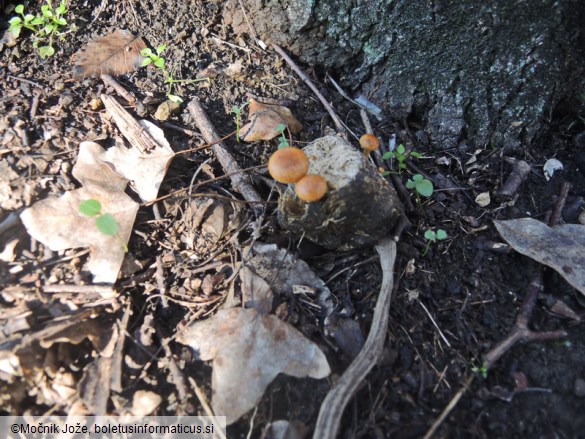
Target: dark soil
[(450, 306)]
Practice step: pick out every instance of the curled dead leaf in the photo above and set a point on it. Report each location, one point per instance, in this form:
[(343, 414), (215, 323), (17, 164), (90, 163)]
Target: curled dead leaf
[(265, 119)]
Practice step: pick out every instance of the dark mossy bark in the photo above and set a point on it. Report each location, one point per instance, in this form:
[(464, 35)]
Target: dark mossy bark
[(473, 73)]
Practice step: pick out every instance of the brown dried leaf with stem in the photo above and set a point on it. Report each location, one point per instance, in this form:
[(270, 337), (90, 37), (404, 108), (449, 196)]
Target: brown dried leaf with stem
[(265, 119), (113, 54)]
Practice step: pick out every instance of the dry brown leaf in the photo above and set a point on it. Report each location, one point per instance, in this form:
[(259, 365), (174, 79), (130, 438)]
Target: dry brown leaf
[(248, 351), (114, 54), (264, 120), (561, 248)]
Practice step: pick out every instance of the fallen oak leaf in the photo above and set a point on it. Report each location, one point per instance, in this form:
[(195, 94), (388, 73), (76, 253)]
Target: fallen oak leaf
[(248, 351), (113, 54), (265, 120)]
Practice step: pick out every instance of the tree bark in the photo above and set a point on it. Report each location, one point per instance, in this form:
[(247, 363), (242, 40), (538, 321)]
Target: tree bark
[(474, 74)]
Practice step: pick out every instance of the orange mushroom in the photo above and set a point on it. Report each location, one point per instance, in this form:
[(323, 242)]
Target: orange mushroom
[(369, 143), (311, 188), (288, 165)]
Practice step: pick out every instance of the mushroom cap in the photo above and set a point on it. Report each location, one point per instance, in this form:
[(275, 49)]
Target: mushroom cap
[(369, 142), (311, 187), (288, 165)]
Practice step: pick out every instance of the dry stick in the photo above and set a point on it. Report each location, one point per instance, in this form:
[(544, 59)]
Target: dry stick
[(448, 408), (129, 96), (520, 170), (229, 165), (136, 134), (338, 125), (345, 388), (520, 331)]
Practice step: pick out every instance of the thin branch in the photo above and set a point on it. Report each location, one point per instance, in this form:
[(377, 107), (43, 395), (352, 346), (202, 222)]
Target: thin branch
[(338, 125)]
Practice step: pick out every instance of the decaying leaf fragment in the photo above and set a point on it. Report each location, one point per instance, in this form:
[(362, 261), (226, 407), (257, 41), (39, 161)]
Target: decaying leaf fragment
[(248, 351), (265, 119), (561, 248), (113, 54)]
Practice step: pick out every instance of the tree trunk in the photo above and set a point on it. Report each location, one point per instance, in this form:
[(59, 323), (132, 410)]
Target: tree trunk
[(473, 73)]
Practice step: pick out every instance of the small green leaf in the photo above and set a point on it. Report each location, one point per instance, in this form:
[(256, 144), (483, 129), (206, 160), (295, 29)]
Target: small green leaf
[(46, 51), (441, 234), (19, 9), (90, 207), (28, 18), (107, 224), (430, 235), (61, 9), (160, 49), (401, 166), (145, 62), (46, 10), (418, 155), (61, 21), (15, 21), (160, 63), (36, 21), (236, 109), (424, 187), (410, 184), (174, 98), (417, 177), (146, 52), (387, 155), (280, 127), (49, 28), (400, 149)]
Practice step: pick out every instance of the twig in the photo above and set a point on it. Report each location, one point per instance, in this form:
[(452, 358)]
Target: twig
[(334, 403), (435, 324), (229, 165), (129, 96), (520, 170), (520, 331), (203, 400), (136, 134), (338, 125), (448, 408)]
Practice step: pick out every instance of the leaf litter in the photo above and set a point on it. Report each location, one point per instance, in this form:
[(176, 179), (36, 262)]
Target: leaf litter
[(248, 351)]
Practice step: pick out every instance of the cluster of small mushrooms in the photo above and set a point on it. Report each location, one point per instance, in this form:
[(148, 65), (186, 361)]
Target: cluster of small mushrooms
[(290, 165)]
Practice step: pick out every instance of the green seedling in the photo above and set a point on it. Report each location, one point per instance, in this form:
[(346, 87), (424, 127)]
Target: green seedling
[(45, 26), (237, 110), (104, 222), (481, 370), (421, 185), (400, 155), (432, 236), (282, 141), (160, 62)]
